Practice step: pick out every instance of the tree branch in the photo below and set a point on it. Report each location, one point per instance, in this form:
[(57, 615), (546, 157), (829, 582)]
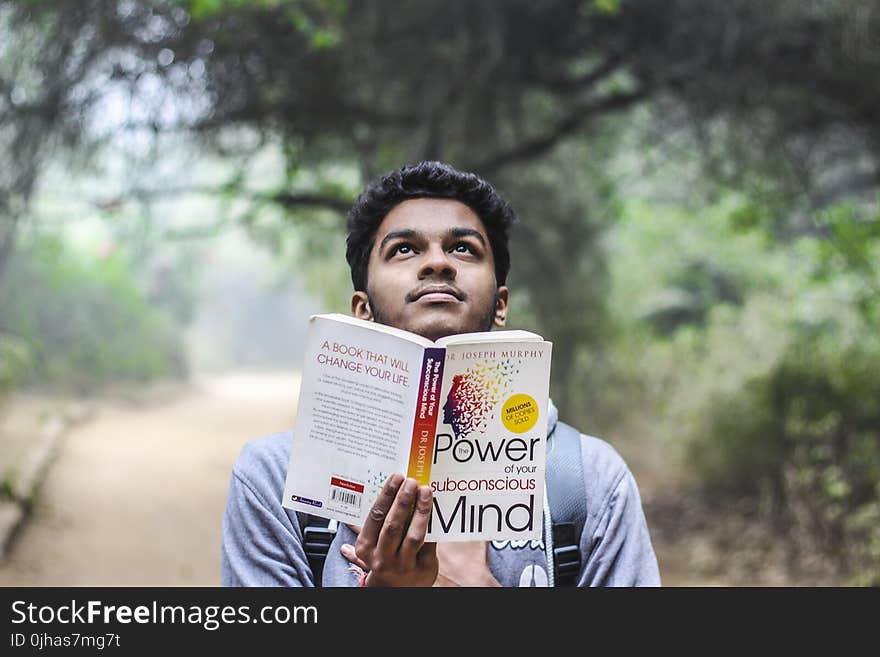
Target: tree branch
[(577, 83), (539, 145), (285, 199), (289, 200)]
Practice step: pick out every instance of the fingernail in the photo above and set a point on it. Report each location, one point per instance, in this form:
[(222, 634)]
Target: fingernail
[(346, 549), (396, 479), (425, 493), (410, 486)]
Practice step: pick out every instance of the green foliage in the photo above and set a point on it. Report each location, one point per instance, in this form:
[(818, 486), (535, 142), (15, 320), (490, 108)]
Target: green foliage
[(763, 370), (84, 323), (805, 437), (7, 484), (750, 216), (852, 250), (14, 361), (607, 6), (318, 20)]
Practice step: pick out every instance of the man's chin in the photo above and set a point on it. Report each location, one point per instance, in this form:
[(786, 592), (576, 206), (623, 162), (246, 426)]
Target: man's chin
[(434, 328), (434, 321)]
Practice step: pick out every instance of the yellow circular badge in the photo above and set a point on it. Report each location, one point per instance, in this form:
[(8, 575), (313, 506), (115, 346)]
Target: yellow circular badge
[(519, 413)]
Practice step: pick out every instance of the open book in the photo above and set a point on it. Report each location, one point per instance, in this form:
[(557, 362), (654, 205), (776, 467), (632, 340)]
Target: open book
[(466, 414)]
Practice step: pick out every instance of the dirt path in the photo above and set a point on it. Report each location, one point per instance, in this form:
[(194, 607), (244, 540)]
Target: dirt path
[(136, 496)]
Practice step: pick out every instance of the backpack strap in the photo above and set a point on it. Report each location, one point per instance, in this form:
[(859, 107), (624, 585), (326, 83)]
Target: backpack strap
[(568, 505), (318, 534)]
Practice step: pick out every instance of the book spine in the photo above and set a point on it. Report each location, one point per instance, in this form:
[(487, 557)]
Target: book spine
[(425, 425)]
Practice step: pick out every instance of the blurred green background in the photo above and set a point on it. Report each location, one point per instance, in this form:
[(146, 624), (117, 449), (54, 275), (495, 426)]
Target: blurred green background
[(697, 184)]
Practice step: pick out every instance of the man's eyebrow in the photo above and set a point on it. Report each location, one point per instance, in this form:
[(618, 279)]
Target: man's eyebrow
[(406, 233), (409, 233), (467, 232)]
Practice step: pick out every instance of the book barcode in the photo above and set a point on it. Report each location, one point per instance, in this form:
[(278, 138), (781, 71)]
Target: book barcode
[(345, 497)]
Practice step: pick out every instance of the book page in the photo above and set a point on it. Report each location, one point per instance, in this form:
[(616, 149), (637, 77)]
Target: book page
[(354, 420), (489, 454), (378, 328), (511, 335)]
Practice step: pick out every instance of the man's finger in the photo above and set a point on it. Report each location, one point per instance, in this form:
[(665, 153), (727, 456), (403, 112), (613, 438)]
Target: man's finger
[(349, 553), (396, 520), (418, 526), (427, 557), (369, 534)]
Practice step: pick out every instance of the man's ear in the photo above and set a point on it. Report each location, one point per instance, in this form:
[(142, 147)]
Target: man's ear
[(501, 306), (360, 306)]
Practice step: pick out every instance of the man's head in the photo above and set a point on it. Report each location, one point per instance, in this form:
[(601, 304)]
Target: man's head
[(428, 251)]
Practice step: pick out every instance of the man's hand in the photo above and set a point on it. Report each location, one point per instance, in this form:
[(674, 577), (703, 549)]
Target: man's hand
[(392, 553), (464, 564)]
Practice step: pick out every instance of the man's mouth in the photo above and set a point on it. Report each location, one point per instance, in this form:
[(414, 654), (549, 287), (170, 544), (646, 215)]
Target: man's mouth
[(436, 294)]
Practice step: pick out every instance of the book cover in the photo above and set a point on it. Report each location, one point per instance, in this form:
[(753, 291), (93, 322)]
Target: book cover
[(466, 414)]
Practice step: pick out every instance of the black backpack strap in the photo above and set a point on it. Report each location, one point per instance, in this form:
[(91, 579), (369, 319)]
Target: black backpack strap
[(568, 504), (318, 534)]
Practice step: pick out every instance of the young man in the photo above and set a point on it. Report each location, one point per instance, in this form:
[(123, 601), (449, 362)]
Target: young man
[(428, 251)]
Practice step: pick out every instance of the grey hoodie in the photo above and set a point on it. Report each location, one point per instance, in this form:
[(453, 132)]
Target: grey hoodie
[(262, 541)]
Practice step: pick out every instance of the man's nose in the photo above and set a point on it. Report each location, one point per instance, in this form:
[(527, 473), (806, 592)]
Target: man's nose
[(437, 262)]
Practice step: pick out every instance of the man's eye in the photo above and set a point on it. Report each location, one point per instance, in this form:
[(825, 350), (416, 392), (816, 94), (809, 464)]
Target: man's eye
[(402, 248), (463, 248)]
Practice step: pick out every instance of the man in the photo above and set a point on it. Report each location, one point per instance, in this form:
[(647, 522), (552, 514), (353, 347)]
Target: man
[(428, 251)]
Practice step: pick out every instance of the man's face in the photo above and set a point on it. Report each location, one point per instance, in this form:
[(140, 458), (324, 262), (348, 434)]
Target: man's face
[(431, 271)]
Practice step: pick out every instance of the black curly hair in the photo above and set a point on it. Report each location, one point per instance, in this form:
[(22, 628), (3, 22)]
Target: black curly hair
[(426, 180)]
